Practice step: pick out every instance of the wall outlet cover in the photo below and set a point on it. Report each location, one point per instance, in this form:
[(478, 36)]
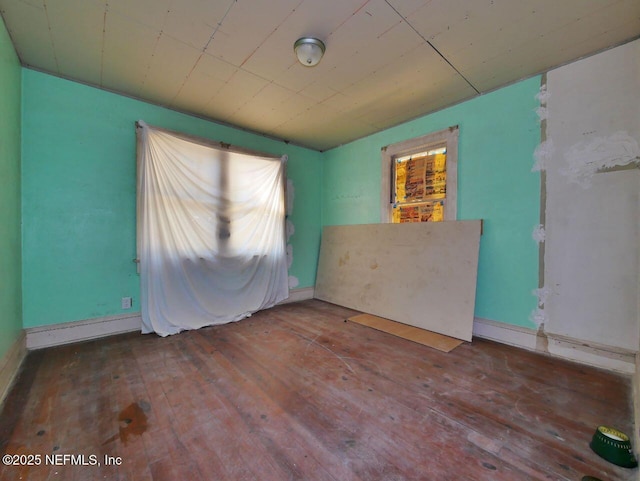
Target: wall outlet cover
[(127, 302)]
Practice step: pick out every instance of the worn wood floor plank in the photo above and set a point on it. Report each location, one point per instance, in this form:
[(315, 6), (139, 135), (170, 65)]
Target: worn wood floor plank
[(374, 421), (395, 405), (532, 417), (296, 393)]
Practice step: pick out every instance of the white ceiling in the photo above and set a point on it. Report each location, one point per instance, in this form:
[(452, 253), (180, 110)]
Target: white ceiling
[(387, 61)]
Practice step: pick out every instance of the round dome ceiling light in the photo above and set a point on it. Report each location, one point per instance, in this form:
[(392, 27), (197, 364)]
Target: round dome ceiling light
[(309, 51)]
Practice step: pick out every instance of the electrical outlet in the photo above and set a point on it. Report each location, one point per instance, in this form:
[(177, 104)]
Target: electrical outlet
[(126, 302)]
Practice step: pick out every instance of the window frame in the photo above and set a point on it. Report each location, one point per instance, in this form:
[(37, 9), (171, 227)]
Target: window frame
[(389, 153)]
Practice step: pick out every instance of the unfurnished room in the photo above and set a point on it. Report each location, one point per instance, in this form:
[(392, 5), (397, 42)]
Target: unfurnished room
[(367, 240)]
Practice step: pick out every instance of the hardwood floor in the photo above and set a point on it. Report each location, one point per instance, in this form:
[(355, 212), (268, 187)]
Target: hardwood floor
[(296, 393)]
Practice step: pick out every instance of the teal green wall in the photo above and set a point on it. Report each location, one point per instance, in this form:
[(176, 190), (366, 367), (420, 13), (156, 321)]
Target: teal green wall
[(498, 134), (79, 190), (10, 231), (78, 199)]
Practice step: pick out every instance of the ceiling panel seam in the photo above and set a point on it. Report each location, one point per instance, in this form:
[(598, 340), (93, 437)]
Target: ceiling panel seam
[(53, 45), (218, 25), (432, 46), (337, 27), (153, 53), (146, 73), (104, 35), (270, 34), (204, 49)]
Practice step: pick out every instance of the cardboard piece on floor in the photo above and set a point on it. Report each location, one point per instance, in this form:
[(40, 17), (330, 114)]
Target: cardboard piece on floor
[(426, 338), (422, 274)]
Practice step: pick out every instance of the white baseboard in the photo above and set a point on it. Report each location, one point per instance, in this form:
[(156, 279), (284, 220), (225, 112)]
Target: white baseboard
[(10, 365), (70, 332), (296, 295), (586, 352), (505, 333)]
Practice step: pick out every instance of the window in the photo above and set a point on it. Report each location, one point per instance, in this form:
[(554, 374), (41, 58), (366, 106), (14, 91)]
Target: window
[(211, 233), (419, 178)]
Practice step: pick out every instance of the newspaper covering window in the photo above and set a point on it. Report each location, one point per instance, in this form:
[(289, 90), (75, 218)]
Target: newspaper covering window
[(420, 186)]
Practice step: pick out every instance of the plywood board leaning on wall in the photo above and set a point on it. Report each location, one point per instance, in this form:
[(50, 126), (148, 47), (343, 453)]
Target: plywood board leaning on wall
[(420, 274)]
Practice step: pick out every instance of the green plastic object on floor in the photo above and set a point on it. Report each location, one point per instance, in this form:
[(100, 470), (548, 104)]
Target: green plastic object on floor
[(614, 446)]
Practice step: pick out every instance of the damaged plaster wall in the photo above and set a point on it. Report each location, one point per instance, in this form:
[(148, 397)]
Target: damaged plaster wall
[(591, 263)]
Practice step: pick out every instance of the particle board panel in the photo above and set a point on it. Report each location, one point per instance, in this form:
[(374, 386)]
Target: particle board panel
[(420, 274), (415, 334)]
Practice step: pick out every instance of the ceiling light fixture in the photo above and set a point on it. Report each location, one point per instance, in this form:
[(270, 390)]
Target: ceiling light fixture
[(309, 51)]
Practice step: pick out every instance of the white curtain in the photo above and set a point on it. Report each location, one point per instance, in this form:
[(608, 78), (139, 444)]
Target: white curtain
[(211, 234)]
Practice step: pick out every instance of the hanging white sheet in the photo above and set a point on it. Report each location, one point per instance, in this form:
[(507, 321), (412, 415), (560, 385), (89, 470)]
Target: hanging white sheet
[(211, 235)]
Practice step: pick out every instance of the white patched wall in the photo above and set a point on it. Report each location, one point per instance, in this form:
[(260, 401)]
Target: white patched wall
[(592, 241)]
